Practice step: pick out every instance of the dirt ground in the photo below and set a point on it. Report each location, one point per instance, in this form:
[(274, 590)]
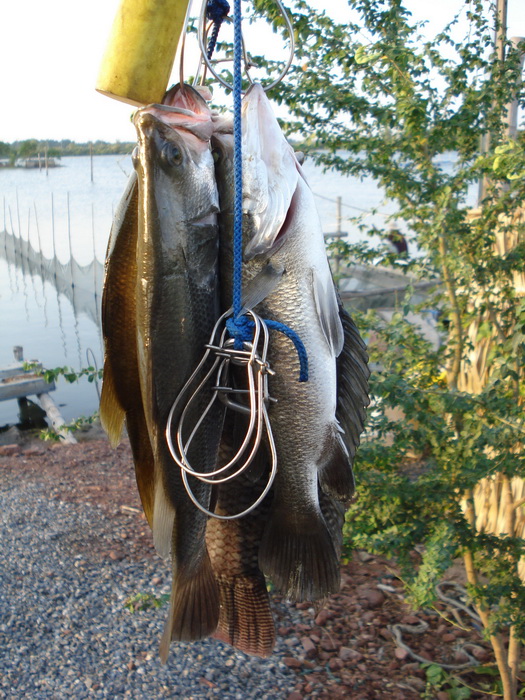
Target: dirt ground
[(345, 649)]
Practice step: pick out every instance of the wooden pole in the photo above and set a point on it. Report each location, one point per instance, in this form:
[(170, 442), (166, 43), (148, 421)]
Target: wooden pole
[(37, 229), (53, 225), (56, 419), (69, 230), (500, 38), (512, 111)]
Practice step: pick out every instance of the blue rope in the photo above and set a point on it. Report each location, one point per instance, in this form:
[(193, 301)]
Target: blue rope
[(237, 163), (241, 327), (216, 11), (241, 330)]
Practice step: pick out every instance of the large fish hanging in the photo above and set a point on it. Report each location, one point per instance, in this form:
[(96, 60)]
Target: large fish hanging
[(168, 280)]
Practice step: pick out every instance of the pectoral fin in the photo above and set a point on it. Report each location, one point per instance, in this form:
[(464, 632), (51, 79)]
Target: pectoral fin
[(327, 308)]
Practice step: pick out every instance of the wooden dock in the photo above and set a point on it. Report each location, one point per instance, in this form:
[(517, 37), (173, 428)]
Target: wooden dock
[(16, 382)]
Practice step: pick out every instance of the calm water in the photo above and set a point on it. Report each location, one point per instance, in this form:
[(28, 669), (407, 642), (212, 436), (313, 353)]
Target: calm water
[(64, 215)]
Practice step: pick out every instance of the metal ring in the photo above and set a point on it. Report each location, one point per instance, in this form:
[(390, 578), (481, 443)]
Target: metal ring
[(204, 57)]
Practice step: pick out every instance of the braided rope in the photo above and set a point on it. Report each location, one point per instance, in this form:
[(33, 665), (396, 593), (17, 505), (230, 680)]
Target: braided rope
[(239, 327), (216, 11)]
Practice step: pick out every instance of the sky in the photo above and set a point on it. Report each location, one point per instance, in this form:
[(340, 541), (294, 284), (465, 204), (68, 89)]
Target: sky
[(50, 55)]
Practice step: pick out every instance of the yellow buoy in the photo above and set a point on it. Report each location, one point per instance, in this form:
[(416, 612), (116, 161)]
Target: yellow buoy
[(141, 50)]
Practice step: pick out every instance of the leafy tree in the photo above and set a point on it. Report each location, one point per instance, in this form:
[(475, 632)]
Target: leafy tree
[(5, 150), (28, 148), (378, 99)]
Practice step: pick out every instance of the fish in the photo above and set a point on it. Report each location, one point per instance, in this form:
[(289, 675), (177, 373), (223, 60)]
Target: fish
[(121, 398), (245, 620), (177, 304), (316, 424)]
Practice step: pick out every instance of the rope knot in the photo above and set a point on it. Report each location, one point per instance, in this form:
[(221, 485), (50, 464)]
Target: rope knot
[(240, 329), (216, 11)]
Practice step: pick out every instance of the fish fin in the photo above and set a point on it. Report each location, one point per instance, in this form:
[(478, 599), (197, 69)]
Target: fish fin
[(261, 286), (335, 474), (352, 384), (163, 519), (270, 172), (111, 412), (245, 619), (144, 461), (194, 607), (334, 514), (327, 308), (299, 556)]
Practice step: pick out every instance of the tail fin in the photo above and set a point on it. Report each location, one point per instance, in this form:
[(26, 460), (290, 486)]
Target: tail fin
[(246, 620), (194, 608), (299, 556)]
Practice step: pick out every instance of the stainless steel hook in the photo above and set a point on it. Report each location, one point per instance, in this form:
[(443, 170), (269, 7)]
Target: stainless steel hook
[(209, 64)]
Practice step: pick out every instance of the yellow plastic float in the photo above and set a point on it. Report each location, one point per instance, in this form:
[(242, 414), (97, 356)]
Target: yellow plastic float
[(141, 50)]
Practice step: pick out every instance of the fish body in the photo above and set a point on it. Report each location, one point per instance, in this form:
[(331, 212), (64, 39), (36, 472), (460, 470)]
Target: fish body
[(299, 550), (245, 617), (121, 395), (245, 620), (176, 308)]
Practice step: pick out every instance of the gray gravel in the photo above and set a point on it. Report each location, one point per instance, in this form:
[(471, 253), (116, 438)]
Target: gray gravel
[(64, 628)]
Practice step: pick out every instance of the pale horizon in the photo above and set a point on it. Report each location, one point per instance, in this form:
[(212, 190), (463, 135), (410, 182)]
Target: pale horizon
[(51, 56)]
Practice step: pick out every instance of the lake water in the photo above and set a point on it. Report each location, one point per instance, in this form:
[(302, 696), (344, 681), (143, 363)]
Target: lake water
[(64, 215)]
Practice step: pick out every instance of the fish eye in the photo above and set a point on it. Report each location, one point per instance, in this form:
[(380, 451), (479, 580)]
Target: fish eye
[(216, 155), (171, 154)]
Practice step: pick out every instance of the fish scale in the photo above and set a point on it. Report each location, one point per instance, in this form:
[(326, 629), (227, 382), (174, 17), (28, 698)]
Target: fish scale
[(172, 305), (301, 544)]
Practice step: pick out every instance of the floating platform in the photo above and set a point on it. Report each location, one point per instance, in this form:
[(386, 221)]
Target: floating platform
[(16, 382)]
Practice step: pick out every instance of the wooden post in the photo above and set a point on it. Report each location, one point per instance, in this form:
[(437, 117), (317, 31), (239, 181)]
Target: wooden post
[(500, 37), (53, 226), (56, 419), (37, 230), (512, 111)]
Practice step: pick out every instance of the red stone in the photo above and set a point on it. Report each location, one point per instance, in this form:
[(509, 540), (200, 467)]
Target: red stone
[(9, 450), (309, 647), (347, 654)]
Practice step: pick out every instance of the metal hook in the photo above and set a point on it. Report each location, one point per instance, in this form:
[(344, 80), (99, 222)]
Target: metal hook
[(202, 36), (252, 356)]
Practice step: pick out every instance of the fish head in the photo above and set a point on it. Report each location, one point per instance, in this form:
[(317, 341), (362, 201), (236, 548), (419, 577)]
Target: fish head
[(270, 173), (175, 171)]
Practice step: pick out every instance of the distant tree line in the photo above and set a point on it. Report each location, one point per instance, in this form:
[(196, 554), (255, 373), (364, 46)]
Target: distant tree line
[(30, 148)]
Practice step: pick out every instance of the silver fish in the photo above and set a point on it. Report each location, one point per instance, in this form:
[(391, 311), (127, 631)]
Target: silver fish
[(300, 547), (177, 305)]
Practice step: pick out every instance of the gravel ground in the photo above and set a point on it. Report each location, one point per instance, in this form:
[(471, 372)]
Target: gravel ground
[(75, 546), (64, 627)]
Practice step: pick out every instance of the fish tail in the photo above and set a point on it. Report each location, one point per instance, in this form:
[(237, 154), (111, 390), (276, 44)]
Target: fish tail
[(336, 477), (245, 619), (299, 556), (111, 412), (194, 607)]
